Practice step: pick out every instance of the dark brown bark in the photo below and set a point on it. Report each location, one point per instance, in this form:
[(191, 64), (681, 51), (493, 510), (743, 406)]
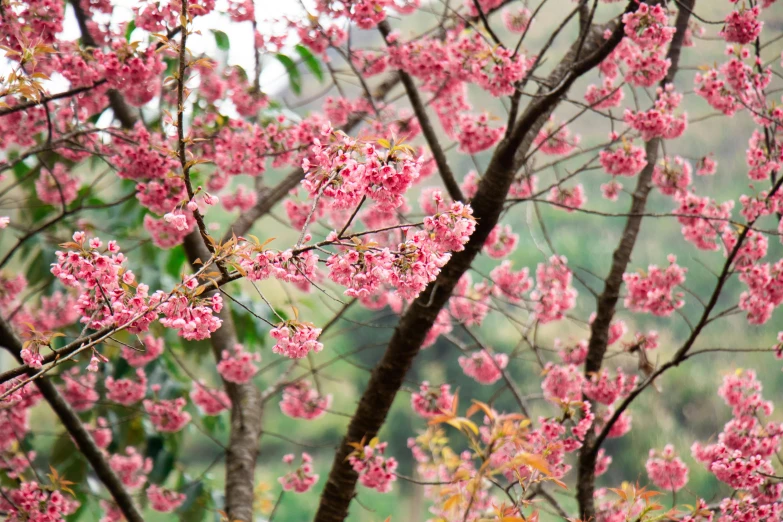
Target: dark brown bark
[(607, 300), (76, 430), (409, 334)]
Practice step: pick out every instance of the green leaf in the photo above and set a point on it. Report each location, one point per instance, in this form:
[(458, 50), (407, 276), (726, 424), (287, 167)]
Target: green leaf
[(68, 460), (310, 61), (294, 78), (196, 504), (20, 170), (221, 39), (129, 30), (175, 262)]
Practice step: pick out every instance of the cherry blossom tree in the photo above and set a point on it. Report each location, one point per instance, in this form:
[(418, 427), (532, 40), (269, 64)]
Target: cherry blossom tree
[(161, 201)]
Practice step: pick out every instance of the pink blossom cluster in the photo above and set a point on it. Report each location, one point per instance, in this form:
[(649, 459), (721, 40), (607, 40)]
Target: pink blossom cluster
[(653, 291), (429, 402), (516, 19), (648, 26), (164, 500), (461, 57), (167, 415), (210, 401), (192, 317), (555, 139), (568, 199), (302, 478), (672, 176), (742, 25), (300, 401), (375, 470), (79, 389), (603, 388), (151, 349), (238, 367), (606, 96), (509, 284), (627, 160), (126, 391), (102, 280), (702, 219), (131, 468), (469, 303), (296, 339), (483, 367), (562, 382), (35, 503), (345, 170), (764, 288), (501, 242), (554, 295), (56, 186), (660, 121)]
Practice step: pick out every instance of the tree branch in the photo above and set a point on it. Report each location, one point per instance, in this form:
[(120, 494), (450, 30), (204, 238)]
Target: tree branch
[(387, 377), (606, 302), (76, 430)]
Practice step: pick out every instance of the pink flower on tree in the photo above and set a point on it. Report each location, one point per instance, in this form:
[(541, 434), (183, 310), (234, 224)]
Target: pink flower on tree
[(554, 294), (126, 391), (742, 25), (666, 470), (653, 291), (482, 367), (167, 415), (375, 470), (164, 500), (428, 402), (238, 367), (302, 478), (210, 401), (300, 401), (296, 339)]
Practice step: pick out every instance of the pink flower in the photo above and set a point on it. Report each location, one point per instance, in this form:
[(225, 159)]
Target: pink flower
[(554, 294), (628, 160), (429, 402), (126, 391), (375, 471), (652, 292), (666, 470), (672, 177), (151, 349), (56, 187), (238, 367), (164, 500), (300, 401), (210, 401), (482, 367), (516, 19), (167, 416), (131, 468), (302, 478), (501, 242), (562, 383), (296, 339), (742, 26), (568, 199), (647, 26)]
